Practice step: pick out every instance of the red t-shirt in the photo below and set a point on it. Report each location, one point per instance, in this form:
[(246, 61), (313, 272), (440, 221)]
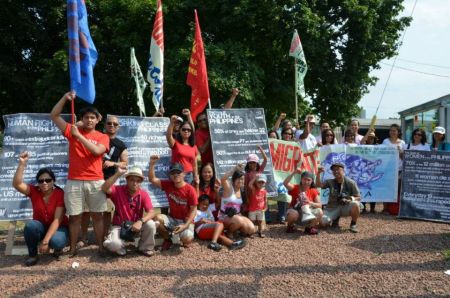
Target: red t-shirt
[(45, 213), (180, 199), (201, 137), (185, 155), (257, 200), (250, 175), (295, 193), (83, 165), (127, 207)]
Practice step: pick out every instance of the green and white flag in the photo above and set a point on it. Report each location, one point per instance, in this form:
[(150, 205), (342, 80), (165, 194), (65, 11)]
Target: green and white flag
[(296, 51), (136, 73)]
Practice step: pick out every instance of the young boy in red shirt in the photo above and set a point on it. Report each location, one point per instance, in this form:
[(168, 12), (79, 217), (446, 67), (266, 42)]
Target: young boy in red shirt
[(83, 186)]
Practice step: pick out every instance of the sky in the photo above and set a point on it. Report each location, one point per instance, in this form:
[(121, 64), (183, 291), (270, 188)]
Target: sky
[(427, 41)]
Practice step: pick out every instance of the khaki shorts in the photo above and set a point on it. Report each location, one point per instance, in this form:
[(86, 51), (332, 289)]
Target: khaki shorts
[(256, 215), (171, 223), (80, 195), (331, 214)]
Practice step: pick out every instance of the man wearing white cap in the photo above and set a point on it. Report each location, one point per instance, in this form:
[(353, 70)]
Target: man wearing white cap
[(307, 141), (439, 143), (129, 220)]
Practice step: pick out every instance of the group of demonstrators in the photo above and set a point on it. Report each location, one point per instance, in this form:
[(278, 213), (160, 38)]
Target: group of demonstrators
[(222, 210)]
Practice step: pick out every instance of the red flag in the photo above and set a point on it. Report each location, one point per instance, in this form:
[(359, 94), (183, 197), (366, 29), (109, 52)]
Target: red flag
[(197, 76)]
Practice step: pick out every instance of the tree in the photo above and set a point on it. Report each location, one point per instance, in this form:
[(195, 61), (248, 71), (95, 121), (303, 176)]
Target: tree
[(246, 43)]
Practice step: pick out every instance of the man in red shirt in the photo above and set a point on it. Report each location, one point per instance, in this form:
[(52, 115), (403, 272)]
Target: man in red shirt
[(83, 186), (182, 199), (131, 201)]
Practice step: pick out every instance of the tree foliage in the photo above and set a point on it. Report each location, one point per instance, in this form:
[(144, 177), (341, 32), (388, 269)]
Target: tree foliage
[(247, 44)]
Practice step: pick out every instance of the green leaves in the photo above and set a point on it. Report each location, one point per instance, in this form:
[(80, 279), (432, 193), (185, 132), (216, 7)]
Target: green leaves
[(247, 44)]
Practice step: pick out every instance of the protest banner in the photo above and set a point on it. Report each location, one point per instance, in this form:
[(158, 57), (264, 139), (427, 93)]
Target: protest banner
[(37, 134), (425, 186), (373, 168), (144, 137), (236, 133)]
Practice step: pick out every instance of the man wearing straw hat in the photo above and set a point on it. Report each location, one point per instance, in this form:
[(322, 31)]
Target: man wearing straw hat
[(131, 201)]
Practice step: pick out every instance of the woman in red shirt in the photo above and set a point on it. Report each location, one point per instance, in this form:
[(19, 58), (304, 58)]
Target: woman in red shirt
[(209, 186), (49, 223), (183, 148)]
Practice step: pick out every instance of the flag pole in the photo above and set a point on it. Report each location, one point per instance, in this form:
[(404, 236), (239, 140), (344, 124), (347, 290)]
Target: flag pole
[(295, 91), (72, 108)]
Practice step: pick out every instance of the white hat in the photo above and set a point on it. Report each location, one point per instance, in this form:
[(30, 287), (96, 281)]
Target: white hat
[(135, 171), (439, 130), (313, 120)]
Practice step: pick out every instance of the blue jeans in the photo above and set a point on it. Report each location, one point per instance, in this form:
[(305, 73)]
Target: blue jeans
[(282, 206), (35, 231)]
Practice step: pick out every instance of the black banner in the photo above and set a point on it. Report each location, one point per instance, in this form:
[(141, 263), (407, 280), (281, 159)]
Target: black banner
[(145, 137), (38, 135), (236, 133), (426, 185)]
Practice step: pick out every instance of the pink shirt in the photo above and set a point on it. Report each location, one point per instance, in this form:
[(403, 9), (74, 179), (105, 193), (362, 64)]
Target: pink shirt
[(128, 207)]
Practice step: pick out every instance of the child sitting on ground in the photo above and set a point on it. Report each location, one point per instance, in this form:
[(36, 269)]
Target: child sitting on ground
[(257, 201), (207, 229)]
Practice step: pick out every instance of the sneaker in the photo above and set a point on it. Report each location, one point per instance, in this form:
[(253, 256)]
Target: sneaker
[(147, 253), (311, 231), (31, 261), (215, 246), (354, 228), (238, 244), (167, 244), (290, 229), (335, 223), (121, 252)]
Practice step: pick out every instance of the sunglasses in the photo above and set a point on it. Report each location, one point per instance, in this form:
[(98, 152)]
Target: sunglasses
[(202, 120), (112, 124), (47, 180), (186, 130)]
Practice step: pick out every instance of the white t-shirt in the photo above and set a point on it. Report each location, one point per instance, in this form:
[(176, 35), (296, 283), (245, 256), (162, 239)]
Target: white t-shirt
[(202, 215), (424, 147), (307, 144), (400, 143)]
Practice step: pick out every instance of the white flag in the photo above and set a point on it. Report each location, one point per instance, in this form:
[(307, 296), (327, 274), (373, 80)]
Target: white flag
[(296, 51), (155, 74), (136, 73)]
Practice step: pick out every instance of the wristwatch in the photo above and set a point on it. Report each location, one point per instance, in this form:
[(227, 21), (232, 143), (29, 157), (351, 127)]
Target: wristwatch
[(142, 220)]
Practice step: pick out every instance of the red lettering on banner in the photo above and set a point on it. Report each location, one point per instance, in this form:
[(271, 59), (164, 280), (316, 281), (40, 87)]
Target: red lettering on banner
[(287, 161)]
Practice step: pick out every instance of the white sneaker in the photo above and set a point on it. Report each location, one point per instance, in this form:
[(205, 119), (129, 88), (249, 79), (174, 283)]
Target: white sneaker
[(121, 252)]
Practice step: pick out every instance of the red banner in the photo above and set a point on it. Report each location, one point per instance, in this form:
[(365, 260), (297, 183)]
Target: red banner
[(197, 76)]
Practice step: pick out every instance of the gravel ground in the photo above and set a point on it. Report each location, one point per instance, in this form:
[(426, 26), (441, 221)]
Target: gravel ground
[(389, 258)]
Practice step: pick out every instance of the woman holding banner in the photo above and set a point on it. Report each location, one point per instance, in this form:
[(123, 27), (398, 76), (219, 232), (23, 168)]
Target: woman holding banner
[(394, 140), (418, 140), (183, 148), (439, 143), (231, 202), (49, 223)]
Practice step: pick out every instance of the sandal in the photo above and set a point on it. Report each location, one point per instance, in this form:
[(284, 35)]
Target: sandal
[(261, 235), (82, 243), (147, 253)]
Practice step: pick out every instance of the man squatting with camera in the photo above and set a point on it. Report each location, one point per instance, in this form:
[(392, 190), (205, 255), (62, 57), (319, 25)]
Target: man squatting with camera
[(343, 199), (129, 221)]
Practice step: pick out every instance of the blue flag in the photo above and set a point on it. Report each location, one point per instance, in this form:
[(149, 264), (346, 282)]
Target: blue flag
[(82, 51)]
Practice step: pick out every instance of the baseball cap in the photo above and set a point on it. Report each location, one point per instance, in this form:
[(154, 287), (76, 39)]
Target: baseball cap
[(176, 167), (337, 164), (307, 174), (439, 130), (261, 177)]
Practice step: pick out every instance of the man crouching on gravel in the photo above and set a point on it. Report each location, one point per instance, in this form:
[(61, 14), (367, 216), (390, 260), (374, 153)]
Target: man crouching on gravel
[(130, 201), (182, 199), (343, 199)]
